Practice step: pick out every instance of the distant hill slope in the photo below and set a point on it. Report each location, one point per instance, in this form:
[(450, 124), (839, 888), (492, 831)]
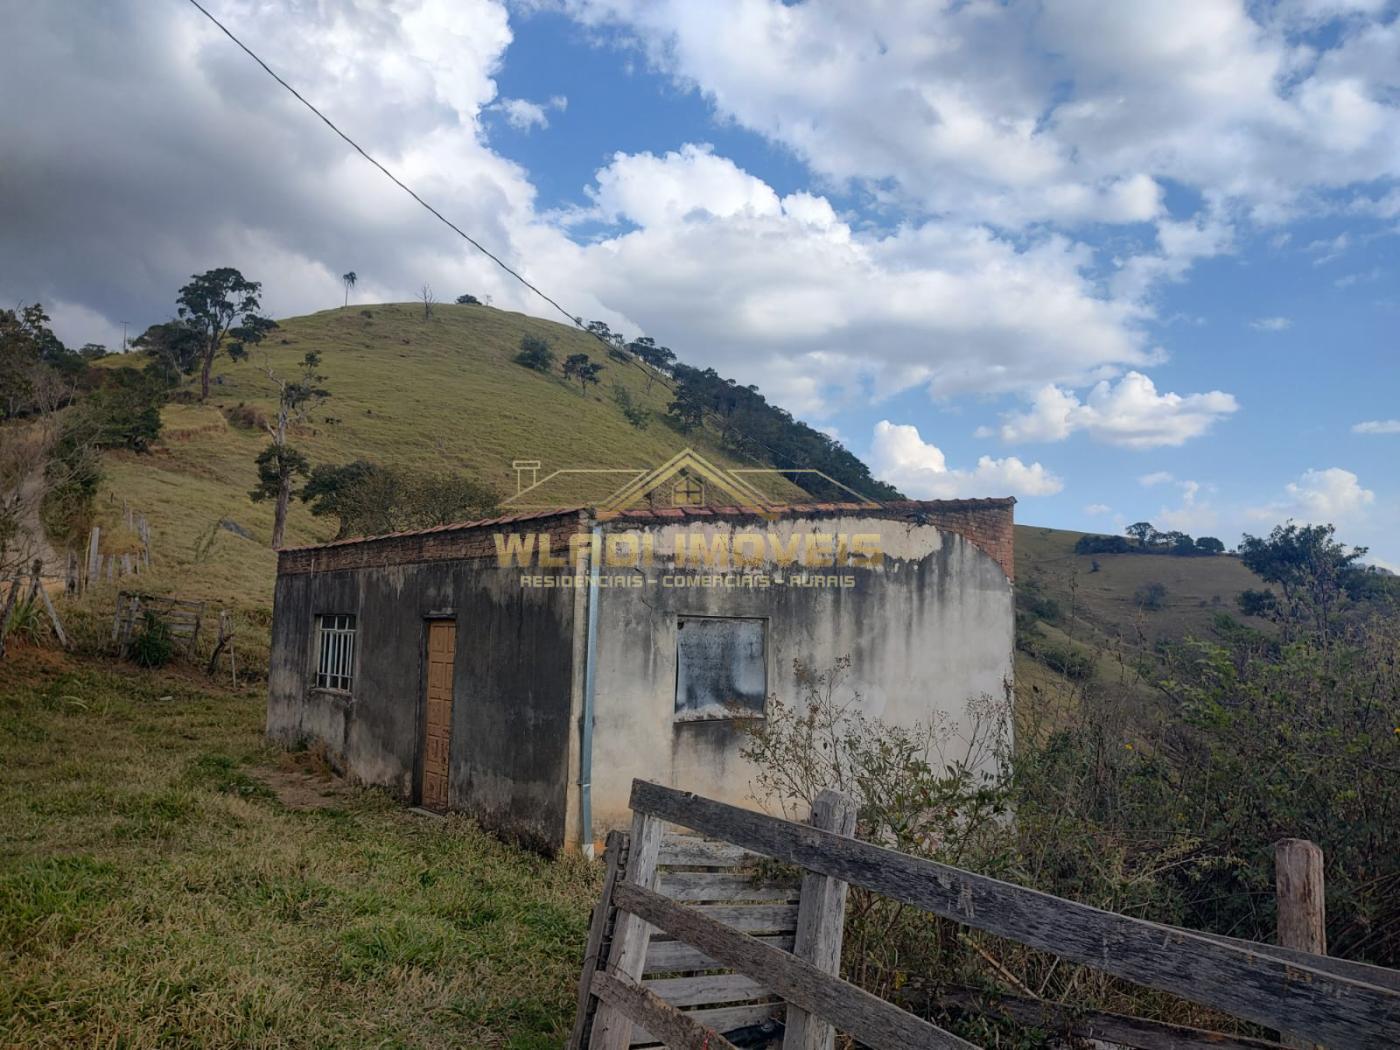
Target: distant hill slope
[(1097, 612), (431, 394)]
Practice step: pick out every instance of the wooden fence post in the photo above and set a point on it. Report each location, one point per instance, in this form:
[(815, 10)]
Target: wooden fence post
[(612, 1030), (821, 914), (1302, 902), (615, 854), (94, 556)]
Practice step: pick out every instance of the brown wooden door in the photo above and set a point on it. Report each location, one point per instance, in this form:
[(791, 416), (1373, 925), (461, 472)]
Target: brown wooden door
[(437, 736)]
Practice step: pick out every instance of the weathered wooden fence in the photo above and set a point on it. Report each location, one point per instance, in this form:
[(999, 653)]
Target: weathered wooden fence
[(1341, 1005), (181, 617)]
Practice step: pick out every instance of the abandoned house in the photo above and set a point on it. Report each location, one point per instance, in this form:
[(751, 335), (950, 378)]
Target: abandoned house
[(526, 668)]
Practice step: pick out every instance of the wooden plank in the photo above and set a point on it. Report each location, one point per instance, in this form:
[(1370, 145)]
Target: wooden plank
[(722, 1019), (614, 850), (723, 886), (753, 918), (612, 1027), (821, 921), (708, 989), (1301, 1000), (1059, 1019), (687, 851), (1380, 976), (635, 1003), (679, 957), (872, 1021)]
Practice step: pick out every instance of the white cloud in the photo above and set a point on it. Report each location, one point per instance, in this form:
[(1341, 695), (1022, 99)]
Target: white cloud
[(524, 115), (1064, 112), (1272, 324), (1157, 477), (781, 289), (1130, 413), (898, 455), (1377, 426), (1330, 249), (1095, 510), (1327, 496)]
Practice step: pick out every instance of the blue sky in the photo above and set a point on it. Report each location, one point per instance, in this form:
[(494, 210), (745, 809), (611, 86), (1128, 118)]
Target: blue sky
[(1121, 261)]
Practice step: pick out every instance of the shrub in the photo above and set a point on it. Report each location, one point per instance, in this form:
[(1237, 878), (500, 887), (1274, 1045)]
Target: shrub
[(1104, 545), (1072, 662), (26, 621), (535, 354), (246, 417), (151, 644), (1257, 603), (1151, 596)]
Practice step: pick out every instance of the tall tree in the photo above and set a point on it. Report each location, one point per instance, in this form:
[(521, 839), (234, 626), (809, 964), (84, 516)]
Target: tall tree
[(222, 304), (349, 279), (1308, 565), (279, 464), (1142, 531)]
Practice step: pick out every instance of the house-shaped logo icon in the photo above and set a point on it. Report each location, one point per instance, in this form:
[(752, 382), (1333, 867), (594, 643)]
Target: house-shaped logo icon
[(687, 479)]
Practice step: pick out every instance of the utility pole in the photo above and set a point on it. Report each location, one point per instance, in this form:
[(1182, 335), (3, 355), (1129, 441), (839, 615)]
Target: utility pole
[(123, 324)]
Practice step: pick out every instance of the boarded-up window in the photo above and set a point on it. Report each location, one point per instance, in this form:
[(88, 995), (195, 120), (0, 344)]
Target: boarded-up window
[(335, 651), (721, 667)]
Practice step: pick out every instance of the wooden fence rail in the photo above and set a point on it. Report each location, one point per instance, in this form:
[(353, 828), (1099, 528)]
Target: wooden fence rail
[(1309, 997)]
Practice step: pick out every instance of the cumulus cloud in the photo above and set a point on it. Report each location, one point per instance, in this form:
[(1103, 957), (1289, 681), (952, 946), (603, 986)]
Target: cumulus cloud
[(1096, 510), (1130, 413), (1029, 112), (1157, 477), (1320, 496), (1377, 426), (524, 115), (900, 456), (1330, 494), (1272, 324)]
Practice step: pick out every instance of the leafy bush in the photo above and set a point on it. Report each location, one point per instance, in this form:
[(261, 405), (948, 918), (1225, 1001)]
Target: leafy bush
[(151, 644), (1103, 545), (634, 413), (535, 354), (1257, 603)]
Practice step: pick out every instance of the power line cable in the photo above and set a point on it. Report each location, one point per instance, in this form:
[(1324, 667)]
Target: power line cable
[(573, 319)]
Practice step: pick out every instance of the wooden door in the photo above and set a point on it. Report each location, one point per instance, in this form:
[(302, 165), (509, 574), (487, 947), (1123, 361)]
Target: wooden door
[(437, 735)]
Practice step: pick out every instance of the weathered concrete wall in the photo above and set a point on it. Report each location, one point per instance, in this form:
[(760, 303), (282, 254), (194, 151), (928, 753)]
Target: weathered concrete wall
[(513, 684), (928, 629)]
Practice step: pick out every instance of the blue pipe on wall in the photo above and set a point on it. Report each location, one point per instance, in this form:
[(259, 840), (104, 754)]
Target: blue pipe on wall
[(590, 676)]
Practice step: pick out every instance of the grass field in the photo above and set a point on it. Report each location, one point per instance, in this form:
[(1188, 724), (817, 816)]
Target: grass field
[(167, 880)]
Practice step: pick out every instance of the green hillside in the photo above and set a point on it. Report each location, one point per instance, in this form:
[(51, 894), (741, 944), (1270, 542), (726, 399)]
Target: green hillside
[(1066, 604), (432, 394)]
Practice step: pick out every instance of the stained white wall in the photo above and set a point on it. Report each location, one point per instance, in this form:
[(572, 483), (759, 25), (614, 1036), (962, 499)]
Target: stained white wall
[(928, 629)]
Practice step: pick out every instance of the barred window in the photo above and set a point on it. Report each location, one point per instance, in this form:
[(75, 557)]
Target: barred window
[(335, 650)]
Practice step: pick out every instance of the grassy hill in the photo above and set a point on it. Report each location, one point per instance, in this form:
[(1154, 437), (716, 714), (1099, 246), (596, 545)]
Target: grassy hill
[(438, 394), (1068, 604)]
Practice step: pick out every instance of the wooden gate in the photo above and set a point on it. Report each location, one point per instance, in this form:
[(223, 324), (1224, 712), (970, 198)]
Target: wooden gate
[(1306, 997), (437, 722)]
